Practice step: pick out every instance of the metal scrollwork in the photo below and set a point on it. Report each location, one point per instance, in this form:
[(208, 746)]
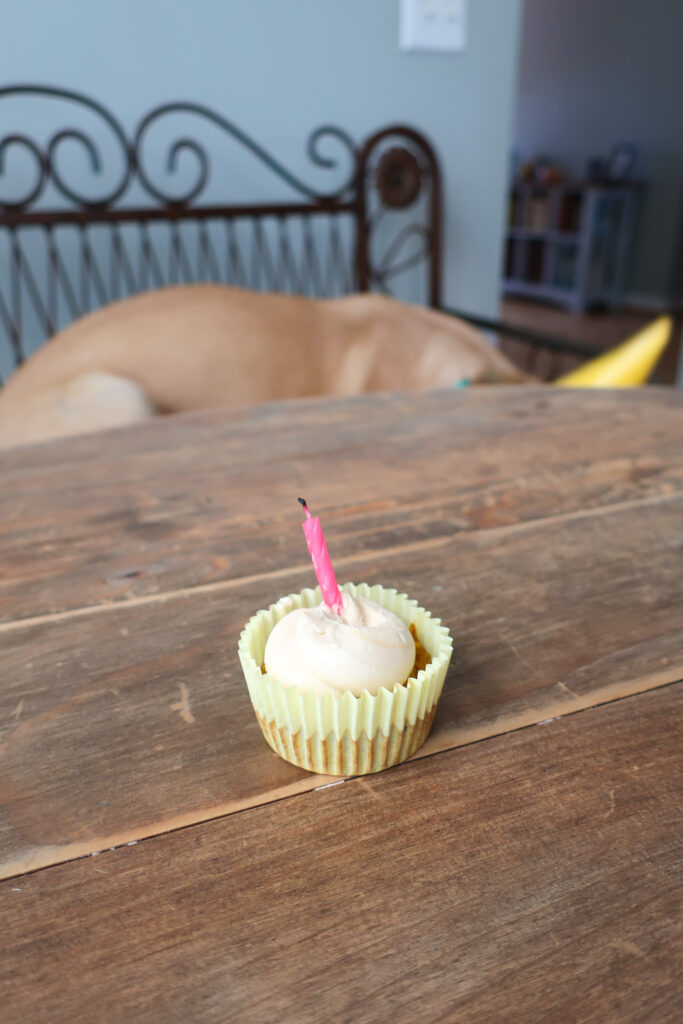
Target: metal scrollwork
[(402, 199), (47, 159), (330, 131), (397, 257), (248, 143), (41, 163), (398, 178), (378, 215)]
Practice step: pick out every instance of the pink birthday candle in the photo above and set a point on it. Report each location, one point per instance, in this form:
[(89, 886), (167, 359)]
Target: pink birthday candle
[(320, 556)]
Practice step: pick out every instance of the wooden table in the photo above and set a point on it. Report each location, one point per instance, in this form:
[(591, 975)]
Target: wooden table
[(160, 863)]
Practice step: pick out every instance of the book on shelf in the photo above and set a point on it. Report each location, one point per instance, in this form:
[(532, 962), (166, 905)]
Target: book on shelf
[(537, 213)]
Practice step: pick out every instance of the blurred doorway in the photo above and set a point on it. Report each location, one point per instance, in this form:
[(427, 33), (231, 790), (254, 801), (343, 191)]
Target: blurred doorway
[(593, 243)]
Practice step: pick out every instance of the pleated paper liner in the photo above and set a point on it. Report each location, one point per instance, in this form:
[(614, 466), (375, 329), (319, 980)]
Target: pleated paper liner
[(346, 735)]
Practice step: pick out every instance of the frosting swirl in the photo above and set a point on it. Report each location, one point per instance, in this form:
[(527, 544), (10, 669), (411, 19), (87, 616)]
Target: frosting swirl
[(364, 648)]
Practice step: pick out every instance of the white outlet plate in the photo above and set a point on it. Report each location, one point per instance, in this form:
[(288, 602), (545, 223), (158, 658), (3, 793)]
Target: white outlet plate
[(438, 26)]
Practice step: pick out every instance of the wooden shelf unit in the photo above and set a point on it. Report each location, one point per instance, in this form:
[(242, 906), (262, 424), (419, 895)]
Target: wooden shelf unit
[(570, 243)]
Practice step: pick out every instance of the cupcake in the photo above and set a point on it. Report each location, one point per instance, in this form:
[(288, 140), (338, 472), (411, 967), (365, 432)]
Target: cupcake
[(344, 681)]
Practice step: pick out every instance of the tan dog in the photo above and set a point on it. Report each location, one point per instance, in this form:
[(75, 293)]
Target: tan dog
[(201, 346)]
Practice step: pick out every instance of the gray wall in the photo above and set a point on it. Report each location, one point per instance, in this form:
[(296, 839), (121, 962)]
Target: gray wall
[(279, 68), (597, 72)]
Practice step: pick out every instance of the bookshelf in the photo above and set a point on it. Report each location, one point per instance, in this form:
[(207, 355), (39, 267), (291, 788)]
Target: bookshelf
[(570, 244)]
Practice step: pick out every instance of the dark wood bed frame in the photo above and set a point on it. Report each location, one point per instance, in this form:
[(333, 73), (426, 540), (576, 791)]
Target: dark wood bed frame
[(65, 252)]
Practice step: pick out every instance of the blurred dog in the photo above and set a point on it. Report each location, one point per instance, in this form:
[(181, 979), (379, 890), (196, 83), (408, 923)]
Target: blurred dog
[(203, 346)]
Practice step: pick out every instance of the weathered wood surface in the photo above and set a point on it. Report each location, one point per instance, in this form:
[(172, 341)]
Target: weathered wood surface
[(538, 870), (195, 501), (535, 877), (128, 721)]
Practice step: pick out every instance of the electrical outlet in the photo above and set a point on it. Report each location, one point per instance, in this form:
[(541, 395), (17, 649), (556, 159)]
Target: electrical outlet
[(436, 25)]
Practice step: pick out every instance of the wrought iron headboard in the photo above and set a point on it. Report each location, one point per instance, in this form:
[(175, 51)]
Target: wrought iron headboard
[(64, 252)]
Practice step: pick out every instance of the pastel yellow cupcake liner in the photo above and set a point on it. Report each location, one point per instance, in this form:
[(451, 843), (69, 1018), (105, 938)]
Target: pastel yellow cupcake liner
[(346, 735)]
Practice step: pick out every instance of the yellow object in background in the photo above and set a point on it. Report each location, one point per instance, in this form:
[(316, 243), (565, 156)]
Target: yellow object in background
[(626, 366)]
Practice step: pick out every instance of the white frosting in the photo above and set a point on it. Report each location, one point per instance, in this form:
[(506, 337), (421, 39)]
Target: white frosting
[(364, 648)]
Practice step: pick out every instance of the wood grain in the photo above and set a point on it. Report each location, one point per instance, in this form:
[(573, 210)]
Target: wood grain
[(195, 500), (125, 722), (535, 877)]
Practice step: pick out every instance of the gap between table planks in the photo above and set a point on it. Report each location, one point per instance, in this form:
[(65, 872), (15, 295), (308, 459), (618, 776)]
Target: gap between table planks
[(95, 750), (196, 500), (540, 870)]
